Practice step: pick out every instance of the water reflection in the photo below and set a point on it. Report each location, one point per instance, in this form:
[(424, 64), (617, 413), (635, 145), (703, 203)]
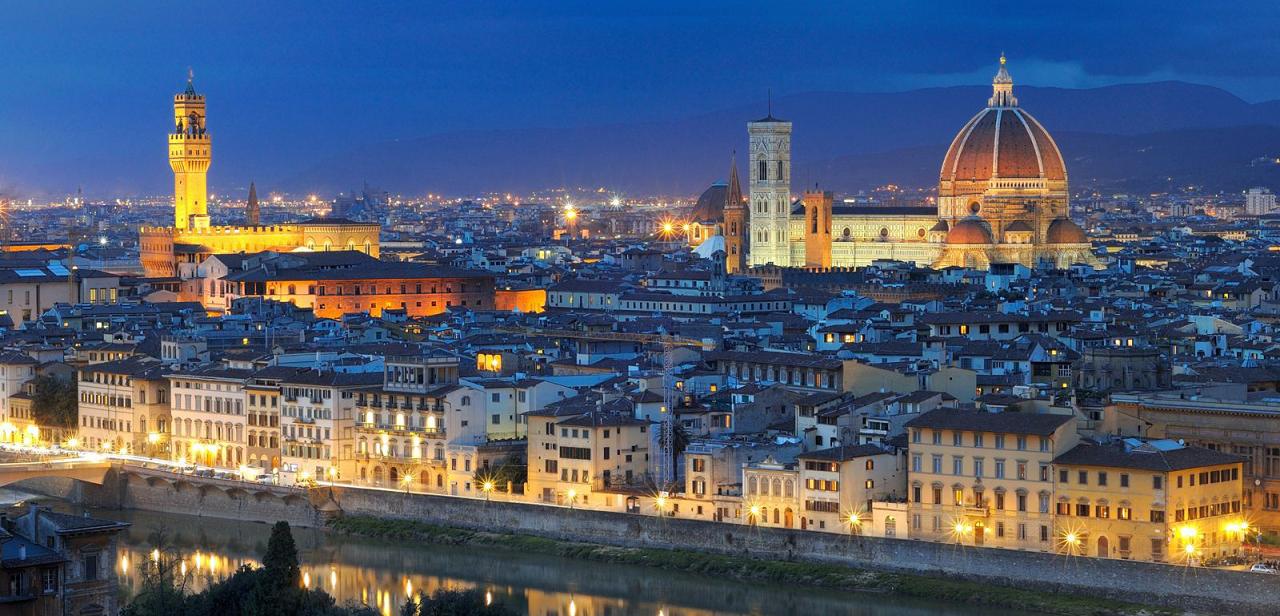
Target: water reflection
[(382, 574)]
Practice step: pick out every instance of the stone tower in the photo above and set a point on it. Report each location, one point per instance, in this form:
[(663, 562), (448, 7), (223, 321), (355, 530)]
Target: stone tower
[(735, 223), (770, 179), (189, 157), (817, 228), (252, 211)]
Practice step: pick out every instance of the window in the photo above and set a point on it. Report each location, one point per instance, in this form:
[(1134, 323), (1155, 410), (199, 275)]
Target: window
[(1063, 475), (1124, 480), (91, 567), (999, 469), (977, 439), (1022, 502), (999, 441), (957, 439), (1083, 478), (1157, 516), (915, 463), (957, 465), (49, 581), (1157, 482), (1082, 510), (1022, 443), (1102, 478)]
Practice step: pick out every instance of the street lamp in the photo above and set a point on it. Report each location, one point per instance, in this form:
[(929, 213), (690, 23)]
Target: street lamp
[(487, 487), (855, 523), (573, 496)]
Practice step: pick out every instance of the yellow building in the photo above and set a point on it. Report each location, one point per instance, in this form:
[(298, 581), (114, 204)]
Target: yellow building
[(178, 250), (979, 478), (124, 407), (1149, 500), (578, 453)]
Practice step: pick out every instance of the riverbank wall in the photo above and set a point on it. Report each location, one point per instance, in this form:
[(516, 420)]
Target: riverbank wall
[(1187, 588)]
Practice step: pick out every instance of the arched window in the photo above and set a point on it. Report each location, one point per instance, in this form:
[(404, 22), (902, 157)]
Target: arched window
[(871, 465), (790, 489), (762, 169), (751, 485)]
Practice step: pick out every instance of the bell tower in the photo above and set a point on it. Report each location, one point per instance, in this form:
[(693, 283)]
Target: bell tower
[(189, 157), (735, 224), (770, 182)]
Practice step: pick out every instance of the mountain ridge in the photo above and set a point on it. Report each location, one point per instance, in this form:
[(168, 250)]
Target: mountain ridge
[(681, 156)]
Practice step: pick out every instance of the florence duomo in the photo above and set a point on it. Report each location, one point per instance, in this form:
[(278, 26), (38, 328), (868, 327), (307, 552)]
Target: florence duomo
[(1002, 198)]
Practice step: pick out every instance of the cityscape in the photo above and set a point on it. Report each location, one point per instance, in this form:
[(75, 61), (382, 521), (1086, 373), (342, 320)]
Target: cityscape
[(1042, 376)]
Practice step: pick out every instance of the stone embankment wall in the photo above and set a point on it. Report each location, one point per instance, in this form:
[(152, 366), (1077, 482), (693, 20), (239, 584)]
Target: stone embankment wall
[(1207, 590)]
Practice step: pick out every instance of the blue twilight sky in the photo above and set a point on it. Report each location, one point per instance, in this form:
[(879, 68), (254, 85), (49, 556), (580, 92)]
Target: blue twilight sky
[(85, 86)]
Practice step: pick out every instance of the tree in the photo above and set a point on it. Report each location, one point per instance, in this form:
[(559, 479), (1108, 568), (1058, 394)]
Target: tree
[(163, 588), (278, 590), (445, 602), (54, 402)]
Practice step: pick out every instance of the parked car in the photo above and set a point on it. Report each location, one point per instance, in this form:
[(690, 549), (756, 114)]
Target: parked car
[(1263, 568)]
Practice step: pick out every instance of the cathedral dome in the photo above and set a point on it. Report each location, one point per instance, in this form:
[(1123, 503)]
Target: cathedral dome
[(711, 203), (969, 231), (1064, 231), (1002, 142)]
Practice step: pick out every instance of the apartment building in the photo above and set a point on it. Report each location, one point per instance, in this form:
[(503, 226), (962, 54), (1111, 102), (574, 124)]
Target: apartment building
[(1224, 418), (402, 424), (582, 446), (979, 478), (1158, 500), (209, 420), (124, 406), (838, 485), (317, 424), (15, 370), (262, 408)]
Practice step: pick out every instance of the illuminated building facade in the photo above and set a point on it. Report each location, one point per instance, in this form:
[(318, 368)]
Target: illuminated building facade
[(124, 407), (1002, 198), (1149, 500), (985, 479), (178, 250)]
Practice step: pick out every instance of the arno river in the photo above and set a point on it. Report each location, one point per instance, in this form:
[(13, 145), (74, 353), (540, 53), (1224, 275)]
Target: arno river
[(380, 574)]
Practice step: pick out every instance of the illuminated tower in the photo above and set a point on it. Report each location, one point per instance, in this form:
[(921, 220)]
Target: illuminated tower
[(770, 178), (252, 211), (735, 224), (189, 157), (817, 228)]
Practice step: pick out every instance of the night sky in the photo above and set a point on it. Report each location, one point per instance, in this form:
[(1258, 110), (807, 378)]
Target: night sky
[(86, 86)]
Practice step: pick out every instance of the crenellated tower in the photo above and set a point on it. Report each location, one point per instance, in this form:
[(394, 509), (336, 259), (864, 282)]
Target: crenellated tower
[(189, 156)]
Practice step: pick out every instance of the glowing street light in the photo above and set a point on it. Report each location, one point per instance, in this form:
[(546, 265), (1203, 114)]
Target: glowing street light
[(487, 488), (753, 514), (855, 522), (573, 496)]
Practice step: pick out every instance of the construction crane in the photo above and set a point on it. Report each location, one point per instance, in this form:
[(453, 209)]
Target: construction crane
[(666, 446)]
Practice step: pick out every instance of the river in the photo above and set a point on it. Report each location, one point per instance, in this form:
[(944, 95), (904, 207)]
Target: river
[(382, 574)]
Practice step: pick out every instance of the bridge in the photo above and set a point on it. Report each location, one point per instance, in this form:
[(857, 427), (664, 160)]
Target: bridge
[(89, 471)]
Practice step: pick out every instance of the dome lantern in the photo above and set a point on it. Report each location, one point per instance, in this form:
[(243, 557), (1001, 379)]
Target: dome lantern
[(1002, 87)]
